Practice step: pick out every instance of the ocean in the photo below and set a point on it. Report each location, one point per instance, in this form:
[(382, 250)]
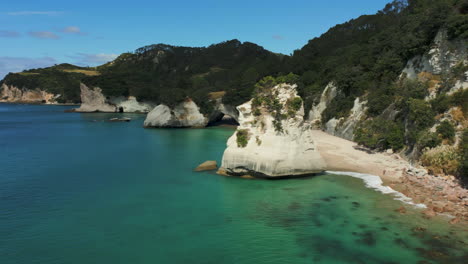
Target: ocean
[(75, 188)]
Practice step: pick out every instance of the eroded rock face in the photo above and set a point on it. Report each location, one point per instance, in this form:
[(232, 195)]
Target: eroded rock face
[(93, 100), (263, 150), (12, 94), (441, 58), (185, 114), (223, 110), (328, 94), (344, 127)]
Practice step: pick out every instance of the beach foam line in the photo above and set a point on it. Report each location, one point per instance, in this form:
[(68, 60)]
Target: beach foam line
[(374, 182)]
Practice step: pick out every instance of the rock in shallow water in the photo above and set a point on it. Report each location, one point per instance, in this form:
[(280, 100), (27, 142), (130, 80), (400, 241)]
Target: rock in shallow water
[(207, 166), (272, 143)]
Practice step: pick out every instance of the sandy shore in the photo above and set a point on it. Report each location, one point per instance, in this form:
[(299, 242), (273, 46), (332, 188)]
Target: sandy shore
[(342, 155), (440, 194)]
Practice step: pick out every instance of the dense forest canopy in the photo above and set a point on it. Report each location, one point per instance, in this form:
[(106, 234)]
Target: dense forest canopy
[(169, 74), (363, 56)]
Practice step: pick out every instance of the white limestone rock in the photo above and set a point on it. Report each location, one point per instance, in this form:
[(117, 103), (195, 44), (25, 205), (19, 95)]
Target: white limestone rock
[(93, 100), (441, 58), (344, 127), (328, 94), (131, 105), (272, 153), (13, 94), (185, 114)]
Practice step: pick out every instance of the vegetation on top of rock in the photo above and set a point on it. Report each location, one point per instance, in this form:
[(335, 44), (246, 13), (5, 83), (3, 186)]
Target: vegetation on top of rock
[(446, 130), (63, 79), (263, 97)]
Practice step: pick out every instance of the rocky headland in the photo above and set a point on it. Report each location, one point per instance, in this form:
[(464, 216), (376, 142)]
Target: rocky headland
[(93, 100), (13, 94), (272, 140)]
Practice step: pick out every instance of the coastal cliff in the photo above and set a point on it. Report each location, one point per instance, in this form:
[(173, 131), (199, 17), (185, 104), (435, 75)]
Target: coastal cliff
[(187, 114), (12, 94), (272, 140), (93, 100)]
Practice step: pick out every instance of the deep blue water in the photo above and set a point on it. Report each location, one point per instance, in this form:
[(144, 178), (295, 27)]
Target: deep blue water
[(77, 189)]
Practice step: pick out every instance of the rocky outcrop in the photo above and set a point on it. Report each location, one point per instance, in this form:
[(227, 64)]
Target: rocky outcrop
[(328, 94), (270, 143), (223, 111), (12, 94), (93, 100), (207, 166), (185, 114), (344, 127), (441, 58)]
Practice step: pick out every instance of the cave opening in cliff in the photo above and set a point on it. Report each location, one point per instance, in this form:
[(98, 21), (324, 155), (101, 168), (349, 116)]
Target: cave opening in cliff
[(121, 110), (222, 119)]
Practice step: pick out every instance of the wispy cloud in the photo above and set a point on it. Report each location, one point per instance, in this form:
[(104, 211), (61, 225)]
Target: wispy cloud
[(87, 59), (73, 30), (29, 13), (277, 37), (18, 64), (9, 34), (43, 35)]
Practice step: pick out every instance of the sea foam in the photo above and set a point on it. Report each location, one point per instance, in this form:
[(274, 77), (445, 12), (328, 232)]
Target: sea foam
[(374, 182)]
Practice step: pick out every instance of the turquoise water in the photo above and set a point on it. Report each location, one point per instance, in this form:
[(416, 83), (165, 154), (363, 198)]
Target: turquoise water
[(76, 189)]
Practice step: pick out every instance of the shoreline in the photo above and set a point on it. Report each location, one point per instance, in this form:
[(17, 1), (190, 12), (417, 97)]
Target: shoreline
[(31, 103), (440, 195)]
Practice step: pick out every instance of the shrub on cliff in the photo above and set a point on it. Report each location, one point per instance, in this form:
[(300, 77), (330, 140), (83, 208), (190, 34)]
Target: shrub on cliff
[(442, 159), (242, 138), (380, 134), (446, 130), (428, 140)]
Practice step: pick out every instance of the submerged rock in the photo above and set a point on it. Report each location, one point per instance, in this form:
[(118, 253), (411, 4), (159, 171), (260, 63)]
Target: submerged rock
[(207, 166), (273, 139)]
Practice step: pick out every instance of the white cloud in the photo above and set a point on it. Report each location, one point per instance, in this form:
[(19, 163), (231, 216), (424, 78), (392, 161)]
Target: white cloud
[(87, 59), (18, 64), (43, 35), (73, 30), (277, 37), (9, 34), (28, 13)]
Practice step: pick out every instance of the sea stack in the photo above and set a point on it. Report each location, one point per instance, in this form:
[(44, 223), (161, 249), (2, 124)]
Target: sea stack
[(273, 140)]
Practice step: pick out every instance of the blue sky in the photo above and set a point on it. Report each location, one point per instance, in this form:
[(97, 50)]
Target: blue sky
[(42, 33)]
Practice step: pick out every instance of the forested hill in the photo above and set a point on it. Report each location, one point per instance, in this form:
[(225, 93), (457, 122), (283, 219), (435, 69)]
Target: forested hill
[(367, 54), (163, 73), (169, 74), (63, 79), (364, 56)]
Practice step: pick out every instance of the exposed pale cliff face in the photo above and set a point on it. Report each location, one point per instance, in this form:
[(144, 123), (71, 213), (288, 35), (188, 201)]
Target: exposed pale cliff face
[(344, 127), (12, 94), (259, 148), (185, 114), (92, 100), (222, 112), (441, 58), (328, 94)]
